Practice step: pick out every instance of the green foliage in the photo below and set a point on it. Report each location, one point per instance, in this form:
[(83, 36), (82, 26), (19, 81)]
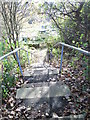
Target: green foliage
[(11, 70), (9, 78), (72, 63), (56, 52), (23, 59), (87, 67), (74, 29), (0, 48)]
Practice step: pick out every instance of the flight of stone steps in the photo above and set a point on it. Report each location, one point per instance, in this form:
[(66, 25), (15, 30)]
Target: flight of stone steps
[(43, 87), (39, 72)]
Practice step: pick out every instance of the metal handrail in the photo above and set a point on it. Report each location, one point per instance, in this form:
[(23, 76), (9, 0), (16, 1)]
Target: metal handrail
[(8, 54), (69, 46), (56, 45), (15, 51), (72, 47)]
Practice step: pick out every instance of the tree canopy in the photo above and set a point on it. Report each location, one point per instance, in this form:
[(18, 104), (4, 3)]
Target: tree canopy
[(72, 20)]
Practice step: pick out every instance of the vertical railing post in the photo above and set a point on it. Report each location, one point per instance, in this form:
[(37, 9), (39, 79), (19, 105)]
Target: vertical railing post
[(61, 59), (19, 63), (50, 55), (28, 58), (58, 55), (31, 56)]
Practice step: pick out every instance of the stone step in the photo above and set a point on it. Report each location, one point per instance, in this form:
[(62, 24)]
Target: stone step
[(41, 84), (40, 78), (38, 65), (51, 110), (40, 71), (55, 89), (71, 117), (50, 93), (53, 103), (45, 71)]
